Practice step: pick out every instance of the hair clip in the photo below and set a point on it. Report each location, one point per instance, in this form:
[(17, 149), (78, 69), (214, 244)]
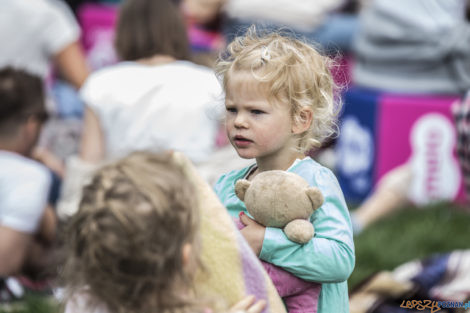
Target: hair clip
[(265, 56)]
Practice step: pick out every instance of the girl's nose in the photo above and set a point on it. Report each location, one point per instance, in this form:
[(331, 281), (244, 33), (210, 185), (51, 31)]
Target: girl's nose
[(240, 120)]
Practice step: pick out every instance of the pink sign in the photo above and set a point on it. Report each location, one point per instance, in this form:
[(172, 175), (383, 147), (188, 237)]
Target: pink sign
[(419, 130), (98, 22)]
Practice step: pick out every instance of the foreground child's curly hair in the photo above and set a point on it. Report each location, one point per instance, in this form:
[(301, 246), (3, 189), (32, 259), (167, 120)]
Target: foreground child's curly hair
[(125, 243), (294, 73)]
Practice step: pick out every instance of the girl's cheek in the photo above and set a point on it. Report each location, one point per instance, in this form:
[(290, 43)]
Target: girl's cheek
[(228, 124)]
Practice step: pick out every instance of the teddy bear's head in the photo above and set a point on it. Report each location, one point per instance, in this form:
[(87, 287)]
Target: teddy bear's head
[(275, 198)]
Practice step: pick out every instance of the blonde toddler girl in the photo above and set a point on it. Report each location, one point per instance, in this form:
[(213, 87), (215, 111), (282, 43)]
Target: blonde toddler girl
[(280, 104)]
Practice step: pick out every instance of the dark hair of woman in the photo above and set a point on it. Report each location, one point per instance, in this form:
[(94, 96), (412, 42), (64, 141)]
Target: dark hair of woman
[(146, 28)]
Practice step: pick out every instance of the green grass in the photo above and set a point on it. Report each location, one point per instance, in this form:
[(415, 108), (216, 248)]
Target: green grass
[(409, 234), (32, 304)]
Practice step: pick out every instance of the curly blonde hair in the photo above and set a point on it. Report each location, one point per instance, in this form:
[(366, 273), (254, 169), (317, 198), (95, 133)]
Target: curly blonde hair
[(294, 73), (124, 246)]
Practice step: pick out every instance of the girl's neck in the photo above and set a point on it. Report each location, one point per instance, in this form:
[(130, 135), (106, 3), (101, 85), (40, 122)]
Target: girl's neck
[(158, 59), (282, 164)]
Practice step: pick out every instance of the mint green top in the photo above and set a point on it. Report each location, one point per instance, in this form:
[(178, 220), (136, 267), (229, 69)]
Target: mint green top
[(329, 257)]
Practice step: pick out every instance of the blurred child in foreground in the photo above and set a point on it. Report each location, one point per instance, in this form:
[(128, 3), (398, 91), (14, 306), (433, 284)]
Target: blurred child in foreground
[(133, 246)]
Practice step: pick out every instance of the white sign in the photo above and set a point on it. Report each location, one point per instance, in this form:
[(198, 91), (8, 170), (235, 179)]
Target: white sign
[(436, 174)]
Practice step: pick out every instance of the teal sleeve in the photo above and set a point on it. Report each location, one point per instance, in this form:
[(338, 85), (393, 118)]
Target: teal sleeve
[(224, 188), (219, 185), (329, 256)]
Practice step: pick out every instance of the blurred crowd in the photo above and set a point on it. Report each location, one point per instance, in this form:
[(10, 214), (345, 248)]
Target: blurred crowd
[(159, 97)]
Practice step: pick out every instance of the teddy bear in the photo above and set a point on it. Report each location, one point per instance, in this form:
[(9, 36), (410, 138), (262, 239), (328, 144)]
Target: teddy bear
[(284, 200), (281, 199)]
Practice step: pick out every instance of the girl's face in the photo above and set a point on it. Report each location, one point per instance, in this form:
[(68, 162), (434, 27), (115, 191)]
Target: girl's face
[(255, 127)]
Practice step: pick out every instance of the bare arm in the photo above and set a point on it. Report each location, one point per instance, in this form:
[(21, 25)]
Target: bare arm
[(48, 227), (46, 157), (13, 250), (92, 145), (20, 249), (72, 64)]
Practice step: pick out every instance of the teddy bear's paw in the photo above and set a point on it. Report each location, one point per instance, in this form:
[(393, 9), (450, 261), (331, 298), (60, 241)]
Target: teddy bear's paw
[(299, 231)]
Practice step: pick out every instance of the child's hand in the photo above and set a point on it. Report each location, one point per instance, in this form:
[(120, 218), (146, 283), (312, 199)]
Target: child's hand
[(248, 305), (46, 157), (253, 233)]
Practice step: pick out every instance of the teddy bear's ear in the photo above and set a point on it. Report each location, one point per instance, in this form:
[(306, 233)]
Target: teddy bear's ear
[(240, 188), (315, 196)]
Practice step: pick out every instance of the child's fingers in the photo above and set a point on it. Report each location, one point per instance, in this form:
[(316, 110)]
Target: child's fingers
[(257, 307), (245, 219), (248, 305), (243, 304)]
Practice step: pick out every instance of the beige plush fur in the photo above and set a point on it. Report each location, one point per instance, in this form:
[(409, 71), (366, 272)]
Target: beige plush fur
[(281, 199), (225, 278)]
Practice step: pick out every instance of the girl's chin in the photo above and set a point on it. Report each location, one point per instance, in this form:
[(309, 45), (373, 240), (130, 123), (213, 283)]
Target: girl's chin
[(245, 154)]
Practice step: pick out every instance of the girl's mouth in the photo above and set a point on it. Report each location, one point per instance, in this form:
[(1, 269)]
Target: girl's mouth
[(241, 141)]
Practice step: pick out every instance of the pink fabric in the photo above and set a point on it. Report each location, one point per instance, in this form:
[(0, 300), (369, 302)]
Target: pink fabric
[(299, 295), (342, 73)]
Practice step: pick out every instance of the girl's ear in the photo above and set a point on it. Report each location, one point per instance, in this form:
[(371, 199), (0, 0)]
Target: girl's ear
[(241, 186), (303, 121)]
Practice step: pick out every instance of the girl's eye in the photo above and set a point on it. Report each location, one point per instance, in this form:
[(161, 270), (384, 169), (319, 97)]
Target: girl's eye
[(257, 112), (231, 110)]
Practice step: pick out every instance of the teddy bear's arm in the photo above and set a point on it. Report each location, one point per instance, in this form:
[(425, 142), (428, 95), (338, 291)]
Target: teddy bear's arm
[(300, 231)]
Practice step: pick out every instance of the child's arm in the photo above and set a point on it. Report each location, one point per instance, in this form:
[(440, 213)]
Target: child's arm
[(92, 144), (13, 249), (48, 227), (50, 160), (22, 214), (253, 232), (329, 256), (72, 64)]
